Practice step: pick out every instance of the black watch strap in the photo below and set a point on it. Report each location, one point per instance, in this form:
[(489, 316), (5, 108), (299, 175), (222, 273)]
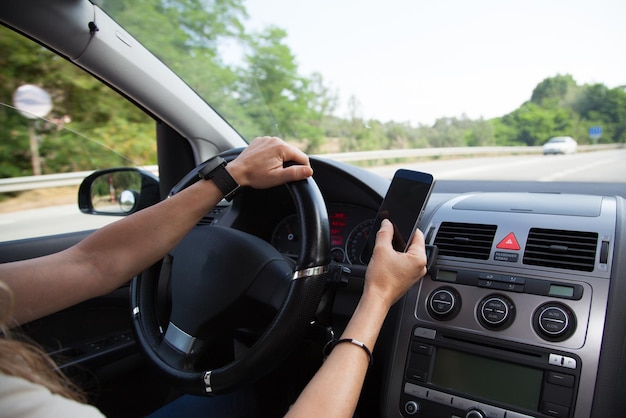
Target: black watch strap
[(215, 170)]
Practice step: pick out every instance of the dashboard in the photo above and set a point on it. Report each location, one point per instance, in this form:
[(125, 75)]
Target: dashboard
[(349, 228), (515, 318)]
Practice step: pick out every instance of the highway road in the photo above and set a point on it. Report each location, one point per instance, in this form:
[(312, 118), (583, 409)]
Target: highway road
[(598, 166)]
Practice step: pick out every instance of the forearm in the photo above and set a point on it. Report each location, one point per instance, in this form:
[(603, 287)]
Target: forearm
[(107, 258), (117, 252), (127, 247), (334, 390)]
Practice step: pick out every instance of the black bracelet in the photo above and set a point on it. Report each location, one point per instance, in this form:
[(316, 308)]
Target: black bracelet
[(215, 169), (332, 343)]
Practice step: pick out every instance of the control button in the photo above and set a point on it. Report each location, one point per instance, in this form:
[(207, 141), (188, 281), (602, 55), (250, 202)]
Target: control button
[(415, 390), (511, 287), (464, 404), (489, 284), (561, 379), (555, 410), (569, 362), (513, 279), (490, 276), (425, 333), (513, 414), (555, 360), (444, 303), (492, 411), (415, 374), (474, 413), (554, 321), (411, 407), (439, 397), (509, 242), (495, 311), (421, 348)]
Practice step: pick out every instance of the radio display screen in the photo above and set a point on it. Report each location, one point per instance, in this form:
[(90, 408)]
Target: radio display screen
[(488, 378)]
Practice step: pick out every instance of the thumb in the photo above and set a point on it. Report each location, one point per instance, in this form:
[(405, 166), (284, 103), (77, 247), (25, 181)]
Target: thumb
[(385, 232)]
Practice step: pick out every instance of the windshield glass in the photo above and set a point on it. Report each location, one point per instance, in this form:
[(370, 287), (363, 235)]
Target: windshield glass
[(360, 75), (462, 90)]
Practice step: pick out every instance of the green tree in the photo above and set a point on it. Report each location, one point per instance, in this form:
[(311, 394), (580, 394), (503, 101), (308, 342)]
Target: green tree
[(94, 110), (533, 124), (560, 91), (275, 96)]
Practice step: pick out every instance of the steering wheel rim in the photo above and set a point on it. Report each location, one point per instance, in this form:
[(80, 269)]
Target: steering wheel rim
[(289, 325)]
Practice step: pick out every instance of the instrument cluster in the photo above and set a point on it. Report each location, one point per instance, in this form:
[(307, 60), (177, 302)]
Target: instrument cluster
[(349, 228)]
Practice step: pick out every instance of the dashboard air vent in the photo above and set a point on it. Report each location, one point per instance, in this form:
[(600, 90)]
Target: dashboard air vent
[(465, 240), (571, 250), (210, 218)]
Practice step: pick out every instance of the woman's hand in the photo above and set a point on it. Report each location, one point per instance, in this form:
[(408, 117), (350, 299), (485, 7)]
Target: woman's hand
[(391, 273), (262, 164)]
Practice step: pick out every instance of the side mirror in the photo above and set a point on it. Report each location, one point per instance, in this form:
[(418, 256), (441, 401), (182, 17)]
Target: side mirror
[(118, 191)]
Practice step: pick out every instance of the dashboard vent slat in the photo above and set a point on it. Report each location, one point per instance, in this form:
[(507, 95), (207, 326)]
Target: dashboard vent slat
[(211, 217), (570, 250), (465, 240)]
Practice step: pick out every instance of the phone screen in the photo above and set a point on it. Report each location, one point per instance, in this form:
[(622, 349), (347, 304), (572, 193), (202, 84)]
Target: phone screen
[(403, 205)]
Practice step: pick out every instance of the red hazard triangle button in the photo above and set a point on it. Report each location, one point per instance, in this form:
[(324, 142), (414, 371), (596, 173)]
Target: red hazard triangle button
[(509, 243)]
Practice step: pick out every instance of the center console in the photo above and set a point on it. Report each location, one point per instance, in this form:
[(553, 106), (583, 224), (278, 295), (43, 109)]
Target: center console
[(509, 322)]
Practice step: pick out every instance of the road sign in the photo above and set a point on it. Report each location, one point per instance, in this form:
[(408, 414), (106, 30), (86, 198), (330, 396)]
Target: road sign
[(595, 132)]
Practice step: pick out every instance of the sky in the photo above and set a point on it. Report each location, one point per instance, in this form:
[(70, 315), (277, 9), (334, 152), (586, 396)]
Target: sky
[(416, 61)]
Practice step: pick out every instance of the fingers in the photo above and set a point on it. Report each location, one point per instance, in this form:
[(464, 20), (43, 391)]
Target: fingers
[(384, 235), (417, 243), (418, 251), (263, 163), (295, 172)]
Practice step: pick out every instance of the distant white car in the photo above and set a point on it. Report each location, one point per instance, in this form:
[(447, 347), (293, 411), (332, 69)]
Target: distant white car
[(560, 145)]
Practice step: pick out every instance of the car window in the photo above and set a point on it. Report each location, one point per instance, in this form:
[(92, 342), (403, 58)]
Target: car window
[(431, 91), (44, 156), (410, 75)]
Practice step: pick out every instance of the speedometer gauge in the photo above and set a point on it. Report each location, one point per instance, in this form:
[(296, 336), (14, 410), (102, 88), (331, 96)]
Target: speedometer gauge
[(286, 236), (357, 240)]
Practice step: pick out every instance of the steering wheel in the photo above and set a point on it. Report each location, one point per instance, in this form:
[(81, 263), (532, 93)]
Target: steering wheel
[(210, 277)]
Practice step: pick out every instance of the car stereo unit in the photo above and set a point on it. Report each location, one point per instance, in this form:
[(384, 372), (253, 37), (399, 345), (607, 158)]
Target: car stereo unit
[(451, 374)]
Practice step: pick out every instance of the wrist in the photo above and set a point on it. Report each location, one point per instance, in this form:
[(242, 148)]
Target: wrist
[(235, 172), (215, 170), (376, 299)]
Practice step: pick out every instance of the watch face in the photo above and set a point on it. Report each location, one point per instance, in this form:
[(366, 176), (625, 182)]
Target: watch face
[(215, 170), (208, 170)]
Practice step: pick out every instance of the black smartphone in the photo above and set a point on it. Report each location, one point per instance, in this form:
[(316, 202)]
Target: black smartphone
[(403, 205)]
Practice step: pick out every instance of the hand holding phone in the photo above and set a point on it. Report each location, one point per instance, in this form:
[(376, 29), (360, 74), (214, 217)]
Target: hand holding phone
[(403, 205)]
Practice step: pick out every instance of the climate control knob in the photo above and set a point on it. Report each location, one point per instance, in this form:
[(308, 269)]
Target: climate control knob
[(554, 321), (444, 303), (496, 312)]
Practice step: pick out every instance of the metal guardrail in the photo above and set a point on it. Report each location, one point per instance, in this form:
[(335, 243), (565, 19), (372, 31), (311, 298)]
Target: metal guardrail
[(426, 152), (16, 184), (20, 184)]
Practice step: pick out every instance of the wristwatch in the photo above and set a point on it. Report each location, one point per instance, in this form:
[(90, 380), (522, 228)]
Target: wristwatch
[(215, 169)]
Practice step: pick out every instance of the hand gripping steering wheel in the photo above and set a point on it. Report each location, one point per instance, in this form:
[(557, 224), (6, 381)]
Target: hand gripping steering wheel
[(185, 307)]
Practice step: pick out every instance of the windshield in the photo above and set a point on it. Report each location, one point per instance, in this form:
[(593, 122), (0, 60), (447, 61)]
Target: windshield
[(360, 75), (462, 90)]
